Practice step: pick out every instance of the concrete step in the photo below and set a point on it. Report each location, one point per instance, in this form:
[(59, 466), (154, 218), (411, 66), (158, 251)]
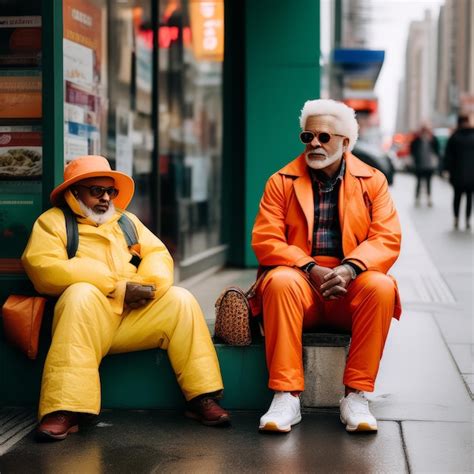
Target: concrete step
[(145, 379)]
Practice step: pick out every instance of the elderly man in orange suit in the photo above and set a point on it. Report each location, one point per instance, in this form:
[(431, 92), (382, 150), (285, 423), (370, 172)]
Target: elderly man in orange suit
[(327, 233)]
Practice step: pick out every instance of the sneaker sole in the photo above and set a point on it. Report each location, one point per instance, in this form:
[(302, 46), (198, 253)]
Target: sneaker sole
[(361, 427), (221, 421), (46, 435), (273, 427)]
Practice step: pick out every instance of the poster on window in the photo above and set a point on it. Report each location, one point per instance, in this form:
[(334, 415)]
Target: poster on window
[(20, 153), (78, 63), (20, 93), (123, 140), (200, 169), (84, 89), (20, 41), (83, 26)]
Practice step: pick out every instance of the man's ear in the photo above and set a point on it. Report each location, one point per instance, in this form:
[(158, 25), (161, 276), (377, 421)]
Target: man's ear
[(345, 144)]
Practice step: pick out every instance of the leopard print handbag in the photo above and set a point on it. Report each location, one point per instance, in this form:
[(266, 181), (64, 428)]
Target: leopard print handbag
[(234, 313)]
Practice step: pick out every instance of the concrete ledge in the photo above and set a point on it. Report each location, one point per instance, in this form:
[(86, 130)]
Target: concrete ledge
[(145, 379), (323, 373), (326, 339), (324, 360)]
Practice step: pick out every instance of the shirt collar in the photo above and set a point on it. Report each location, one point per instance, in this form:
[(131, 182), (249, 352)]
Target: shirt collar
[(327, 184)]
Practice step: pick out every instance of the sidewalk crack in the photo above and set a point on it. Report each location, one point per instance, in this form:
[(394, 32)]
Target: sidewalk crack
[(404, 447)]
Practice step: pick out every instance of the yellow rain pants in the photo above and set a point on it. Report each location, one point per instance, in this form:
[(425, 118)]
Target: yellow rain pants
[(85, 329)]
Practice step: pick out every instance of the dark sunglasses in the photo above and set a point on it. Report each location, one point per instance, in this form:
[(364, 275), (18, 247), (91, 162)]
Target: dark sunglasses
[(323, 137), (99, 191)]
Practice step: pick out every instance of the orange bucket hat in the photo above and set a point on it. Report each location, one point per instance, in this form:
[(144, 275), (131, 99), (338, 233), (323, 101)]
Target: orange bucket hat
[(94, 166)]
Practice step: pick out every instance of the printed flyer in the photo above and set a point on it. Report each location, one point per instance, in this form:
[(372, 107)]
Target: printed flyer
[(20, 153)]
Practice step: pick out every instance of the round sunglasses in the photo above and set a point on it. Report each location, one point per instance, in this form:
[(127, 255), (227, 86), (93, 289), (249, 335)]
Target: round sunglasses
[(323, 137), (99, 191)]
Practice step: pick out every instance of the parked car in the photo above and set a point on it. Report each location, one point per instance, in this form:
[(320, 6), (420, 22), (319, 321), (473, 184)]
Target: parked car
[(375, 157)]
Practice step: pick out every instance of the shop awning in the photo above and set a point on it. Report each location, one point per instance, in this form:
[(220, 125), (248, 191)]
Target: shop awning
[(359, 68)]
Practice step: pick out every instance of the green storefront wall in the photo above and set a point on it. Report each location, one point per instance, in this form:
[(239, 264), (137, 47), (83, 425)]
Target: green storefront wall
[(272, 67)]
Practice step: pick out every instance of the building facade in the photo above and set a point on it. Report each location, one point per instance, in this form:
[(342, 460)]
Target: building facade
[(197, 100), (420, 75), (455, 91)]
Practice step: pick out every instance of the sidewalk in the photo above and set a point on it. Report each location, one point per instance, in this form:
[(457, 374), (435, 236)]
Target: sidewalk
[(426, 381), (423, 396)]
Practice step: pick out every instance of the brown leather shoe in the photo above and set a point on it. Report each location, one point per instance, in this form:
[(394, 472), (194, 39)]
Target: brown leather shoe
[(58, 425), (207, 411)]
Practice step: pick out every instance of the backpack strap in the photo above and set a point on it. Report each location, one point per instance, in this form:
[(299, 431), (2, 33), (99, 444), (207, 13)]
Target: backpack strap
[(72, 232), (131, 237), (129, 230)]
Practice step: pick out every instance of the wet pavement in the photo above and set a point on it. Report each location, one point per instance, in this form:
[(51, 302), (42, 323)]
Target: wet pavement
[(139, 442), (423, 397)]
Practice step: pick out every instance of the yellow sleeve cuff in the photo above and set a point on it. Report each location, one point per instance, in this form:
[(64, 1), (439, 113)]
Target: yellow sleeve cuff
[(117, 297)]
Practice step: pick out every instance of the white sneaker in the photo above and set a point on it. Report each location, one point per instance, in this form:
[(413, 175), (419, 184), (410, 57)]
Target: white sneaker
[(284, 412), (355, 413)]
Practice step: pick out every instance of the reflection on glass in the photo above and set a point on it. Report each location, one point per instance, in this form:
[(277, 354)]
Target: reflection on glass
[(190, 124), (130, 135), (85, 77)]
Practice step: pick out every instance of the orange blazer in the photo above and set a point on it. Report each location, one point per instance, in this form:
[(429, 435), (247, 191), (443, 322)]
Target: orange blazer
[(283, 229)]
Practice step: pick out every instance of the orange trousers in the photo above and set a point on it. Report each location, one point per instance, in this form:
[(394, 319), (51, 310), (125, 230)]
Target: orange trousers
[(291, 306)]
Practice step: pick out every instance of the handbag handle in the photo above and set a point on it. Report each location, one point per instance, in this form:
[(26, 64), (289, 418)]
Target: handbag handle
[(250, 293)]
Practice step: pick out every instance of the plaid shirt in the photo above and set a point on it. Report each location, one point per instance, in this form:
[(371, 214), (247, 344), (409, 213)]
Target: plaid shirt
[(327, 237)]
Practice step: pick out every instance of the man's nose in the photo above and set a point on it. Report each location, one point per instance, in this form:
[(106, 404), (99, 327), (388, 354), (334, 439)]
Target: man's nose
[(315, 142)]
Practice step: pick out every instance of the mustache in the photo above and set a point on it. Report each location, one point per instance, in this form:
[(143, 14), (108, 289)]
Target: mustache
[(318, 150)]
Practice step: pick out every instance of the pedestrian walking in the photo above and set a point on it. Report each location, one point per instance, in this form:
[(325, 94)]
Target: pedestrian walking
[(459, 162), (425, 152), (327, 232)]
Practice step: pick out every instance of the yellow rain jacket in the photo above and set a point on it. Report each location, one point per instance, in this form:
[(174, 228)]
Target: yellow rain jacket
[(102, 257), (91, 319)]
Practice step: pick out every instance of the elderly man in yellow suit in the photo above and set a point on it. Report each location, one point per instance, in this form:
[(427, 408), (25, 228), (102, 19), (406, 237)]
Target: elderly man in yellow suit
[(328, 230), (107, 305)]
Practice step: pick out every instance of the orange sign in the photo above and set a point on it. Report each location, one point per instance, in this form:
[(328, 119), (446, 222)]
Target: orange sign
[(83, 24), (370, 105), (207, 27)]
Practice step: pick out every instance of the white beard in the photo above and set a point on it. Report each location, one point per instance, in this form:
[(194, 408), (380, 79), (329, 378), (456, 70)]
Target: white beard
[(318, 164), (94, 216)]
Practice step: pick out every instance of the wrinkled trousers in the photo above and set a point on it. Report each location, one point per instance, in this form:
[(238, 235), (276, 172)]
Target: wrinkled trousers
[(85, 329), (291, 306)]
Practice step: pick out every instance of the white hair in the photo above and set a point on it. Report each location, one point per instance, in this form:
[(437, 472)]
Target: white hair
[(346, 121)]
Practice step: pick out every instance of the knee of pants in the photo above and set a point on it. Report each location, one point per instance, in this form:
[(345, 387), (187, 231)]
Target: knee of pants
[(282, 281), (80, 299), (182, 300), (379, 285)]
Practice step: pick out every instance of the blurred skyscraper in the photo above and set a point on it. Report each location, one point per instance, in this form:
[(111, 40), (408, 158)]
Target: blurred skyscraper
[(417, 92), (455, 71), (439, 68)]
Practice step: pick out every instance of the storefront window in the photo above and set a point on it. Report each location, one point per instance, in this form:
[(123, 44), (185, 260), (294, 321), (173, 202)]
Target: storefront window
[(85, 77), (108, 85), (130, 132), (190, 124), (21, 160)]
